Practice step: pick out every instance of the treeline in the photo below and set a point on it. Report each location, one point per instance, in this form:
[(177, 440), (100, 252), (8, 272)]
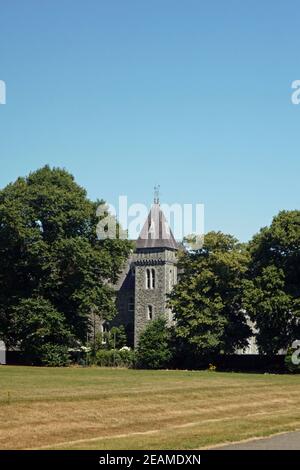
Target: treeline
[(225, 284), (54, 272), (55, 275), (228, 292)]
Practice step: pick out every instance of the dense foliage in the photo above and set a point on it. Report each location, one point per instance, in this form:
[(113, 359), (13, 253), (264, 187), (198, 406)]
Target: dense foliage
[(114, 358), (207, 301), (56, 276), (154, 349), (54, 272), (114, 338), (272, 288)]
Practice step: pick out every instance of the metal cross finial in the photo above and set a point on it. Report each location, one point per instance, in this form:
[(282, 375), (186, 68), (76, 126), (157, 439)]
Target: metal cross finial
[(156, 194)]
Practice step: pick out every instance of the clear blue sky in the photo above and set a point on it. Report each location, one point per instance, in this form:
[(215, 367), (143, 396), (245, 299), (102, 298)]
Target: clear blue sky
[(124, 94)]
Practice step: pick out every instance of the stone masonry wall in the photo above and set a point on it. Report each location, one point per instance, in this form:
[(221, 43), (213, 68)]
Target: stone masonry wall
[(162, 261)]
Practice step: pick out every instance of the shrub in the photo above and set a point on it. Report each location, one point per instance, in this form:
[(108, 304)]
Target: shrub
[(154, 348), (54, 355), (117, 334), (42, 332), (115, 358), (115, 338)]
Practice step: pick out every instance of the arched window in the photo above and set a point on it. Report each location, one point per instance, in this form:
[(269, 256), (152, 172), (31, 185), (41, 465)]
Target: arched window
[(148, 279), (150, 312), (152, 278)]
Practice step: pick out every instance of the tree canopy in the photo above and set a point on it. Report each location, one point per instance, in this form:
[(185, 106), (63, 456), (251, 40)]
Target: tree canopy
[(207, 301), (272, 288), (52, 260), (55, 274)]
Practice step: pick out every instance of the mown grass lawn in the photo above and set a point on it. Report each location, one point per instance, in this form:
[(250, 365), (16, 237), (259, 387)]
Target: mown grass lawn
[(94, 408)]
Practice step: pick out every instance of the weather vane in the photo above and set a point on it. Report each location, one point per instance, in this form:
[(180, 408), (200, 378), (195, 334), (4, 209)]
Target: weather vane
[(156, 194)]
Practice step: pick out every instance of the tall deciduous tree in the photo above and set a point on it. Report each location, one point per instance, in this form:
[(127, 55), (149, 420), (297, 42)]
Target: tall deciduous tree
[(207, 301), (272, 291), (50, 256)]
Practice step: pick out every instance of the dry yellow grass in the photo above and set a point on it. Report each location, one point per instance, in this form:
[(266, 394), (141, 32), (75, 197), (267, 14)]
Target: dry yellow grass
[(93, 408)]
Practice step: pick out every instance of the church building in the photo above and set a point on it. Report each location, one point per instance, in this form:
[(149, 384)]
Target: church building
[(149, 275)]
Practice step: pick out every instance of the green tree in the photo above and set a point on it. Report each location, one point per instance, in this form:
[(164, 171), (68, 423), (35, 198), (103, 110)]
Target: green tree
[(272, 290), (49, 251), (115, 338), (154, 349), (207, 301), (40, 331)]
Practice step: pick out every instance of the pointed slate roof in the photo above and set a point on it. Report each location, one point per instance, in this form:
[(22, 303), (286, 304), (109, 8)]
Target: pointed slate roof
[(156, 232)]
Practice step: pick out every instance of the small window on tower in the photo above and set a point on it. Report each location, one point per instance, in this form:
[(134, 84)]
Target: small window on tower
[(150, 312), (148, 279), (153, 278)]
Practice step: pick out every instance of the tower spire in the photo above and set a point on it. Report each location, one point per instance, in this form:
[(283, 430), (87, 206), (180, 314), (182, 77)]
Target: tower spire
[(156, 194)]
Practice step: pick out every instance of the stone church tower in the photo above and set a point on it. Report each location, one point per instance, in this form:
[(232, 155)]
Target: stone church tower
[(149, 276)]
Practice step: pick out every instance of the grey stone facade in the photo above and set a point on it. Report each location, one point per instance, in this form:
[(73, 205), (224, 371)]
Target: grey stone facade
[(148, 276), (151, 302)]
